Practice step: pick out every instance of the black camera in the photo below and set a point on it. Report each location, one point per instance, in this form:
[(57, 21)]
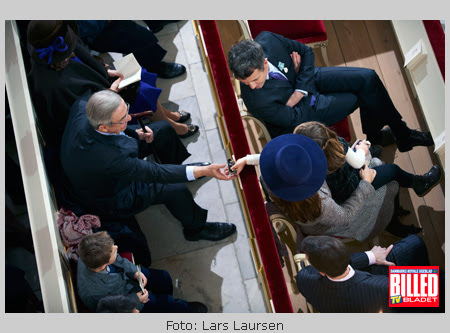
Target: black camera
[(230, 163)]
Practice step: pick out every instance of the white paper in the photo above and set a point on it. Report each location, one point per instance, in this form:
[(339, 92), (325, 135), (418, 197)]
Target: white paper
[(416, 54), (141, 284), (439, 141), (129, 68)]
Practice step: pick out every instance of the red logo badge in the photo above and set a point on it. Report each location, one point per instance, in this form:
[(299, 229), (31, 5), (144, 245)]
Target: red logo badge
[(414, 286)]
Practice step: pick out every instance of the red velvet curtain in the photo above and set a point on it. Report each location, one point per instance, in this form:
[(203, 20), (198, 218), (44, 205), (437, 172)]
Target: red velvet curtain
[(436, 35), (252, 192)]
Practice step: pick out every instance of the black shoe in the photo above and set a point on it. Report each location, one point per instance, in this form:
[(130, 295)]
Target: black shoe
[(423, 184), (384, 138), (402, 212), (157, 25), (416, 138), (192, 129), (401, 230), (198, 164), (197, 307), (184, 116), (168, 70), (213, 232), (377, 150)]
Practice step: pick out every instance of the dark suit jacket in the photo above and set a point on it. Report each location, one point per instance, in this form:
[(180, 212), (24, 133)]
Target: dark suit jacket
[(103, 174), (93, 286), (364, 292), (269, 103)]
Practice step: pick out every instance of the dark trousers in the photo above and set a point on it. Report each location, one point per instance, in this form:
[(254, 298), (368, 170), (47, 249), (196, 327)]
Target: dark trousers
[(410, 251), (130, 37), (166, 144), (179, 201), (341, 90), (389, 172), (160, 288)]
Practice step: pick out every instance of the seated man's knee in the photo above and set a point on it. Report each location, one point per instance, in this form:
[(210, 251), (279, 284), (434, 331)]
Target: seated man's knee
[(370, 75)]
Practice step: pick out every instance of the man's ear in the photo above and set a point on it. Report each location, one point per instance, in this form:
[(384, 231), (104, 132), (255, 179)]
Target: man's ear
[(102, 128)]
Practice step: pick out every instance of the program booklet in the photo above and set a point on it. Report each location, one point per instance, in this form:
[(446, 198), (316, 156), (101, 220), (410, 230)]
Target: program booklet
[(129, 68), (141, 284)]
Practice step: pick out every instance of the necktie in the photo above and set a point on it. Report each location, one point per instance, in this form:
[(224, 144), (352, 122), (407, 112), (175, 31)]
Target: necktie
[(276, 76)]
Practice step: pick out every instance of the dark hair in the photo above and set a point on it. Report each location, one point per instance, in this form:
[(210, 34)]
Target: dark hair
[(117, 304), (303, 211), (327, 140), (244, 57), (326, 254), (95, 250)]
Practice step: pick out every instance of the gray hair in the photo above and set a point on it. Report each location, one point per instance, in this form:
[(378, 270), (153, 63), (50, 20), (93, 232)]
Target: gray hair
[(244, 57), (101, 106)]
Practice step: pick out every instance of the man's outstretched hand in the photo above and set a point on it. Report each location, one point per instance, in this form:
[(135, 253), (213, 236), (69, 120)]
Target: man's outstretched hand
[(213, 170)]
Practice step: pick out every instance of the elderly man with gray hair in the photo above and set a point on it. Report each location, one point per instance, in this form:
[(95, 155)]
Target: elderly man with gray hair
[(106, 175)]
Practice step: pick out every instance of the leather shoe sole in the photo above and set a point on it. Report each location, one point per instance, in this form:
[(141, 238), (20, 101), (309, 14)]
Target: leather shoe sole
[(213, 232), (416, 138), (169, 70), (438, 174), (384, 138)]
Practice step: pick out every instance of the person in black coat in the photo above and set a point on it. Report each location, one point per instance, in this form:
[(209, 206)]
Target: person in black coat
[(281, 86), (338, 282), (105, 176), (63, 70), (124, 36)]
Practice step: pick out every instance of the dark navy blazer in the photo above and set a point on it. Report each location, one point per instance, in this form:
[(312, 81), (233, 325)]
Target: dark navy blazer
[(269, 103), (103, 174), (364, 292)]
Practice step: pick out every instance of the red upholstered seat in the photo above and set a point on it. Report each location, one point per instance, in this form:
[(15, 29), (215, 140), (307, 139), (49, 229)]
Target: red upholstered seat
[(436, 35), (127, 255), (303, 31)]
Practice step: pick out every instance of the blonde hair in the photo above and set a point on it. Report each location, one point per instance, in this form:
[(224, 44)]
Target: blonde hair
[(327, 140)]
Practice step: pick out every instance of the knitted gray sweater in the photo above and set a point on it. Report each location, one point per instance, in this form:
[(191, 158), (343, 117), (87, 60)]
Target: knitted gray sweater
[(362, 216)]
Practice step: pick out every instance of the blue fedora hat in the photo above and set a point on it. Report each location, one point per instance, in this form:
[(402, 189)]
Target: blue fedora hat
[(293, 166)]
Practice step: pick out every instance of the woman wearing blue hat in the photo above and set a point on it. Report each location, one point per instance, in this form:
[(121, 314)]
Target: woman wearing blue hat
[(294, 168)]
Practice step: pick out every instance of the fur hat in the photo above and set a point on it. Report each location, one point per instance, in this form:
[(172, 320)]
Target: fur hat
[(51, 41), (293, 166)]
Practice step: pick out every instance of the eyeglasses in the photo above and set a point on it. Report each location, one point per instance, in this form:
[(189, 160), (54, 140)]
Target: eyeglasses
[(123, 122)]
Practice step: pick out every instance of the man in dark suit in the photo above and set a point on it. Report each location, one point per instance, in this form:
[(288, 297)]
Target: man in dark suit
[(281, 86), (105, 175), (338, 282)]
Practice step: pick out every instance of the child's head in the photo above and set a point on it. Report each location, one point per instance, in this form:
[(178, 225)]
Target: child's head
[(97, 250), (327, 140), (117, 304)]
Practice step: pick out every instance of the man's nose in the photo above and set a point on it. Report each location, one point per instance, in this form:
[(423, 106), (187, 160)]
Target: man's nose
[(128, 117), (252, 85)]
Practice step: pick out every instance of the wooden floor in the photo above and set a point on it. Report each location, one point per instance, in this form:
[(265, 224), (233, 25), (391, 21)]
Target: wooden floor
[(372, 44)]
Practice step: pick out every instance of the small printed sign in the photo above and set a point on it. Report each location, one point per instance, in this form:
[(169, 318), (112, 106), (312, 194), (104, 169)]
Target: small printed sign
[(414, 286)]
